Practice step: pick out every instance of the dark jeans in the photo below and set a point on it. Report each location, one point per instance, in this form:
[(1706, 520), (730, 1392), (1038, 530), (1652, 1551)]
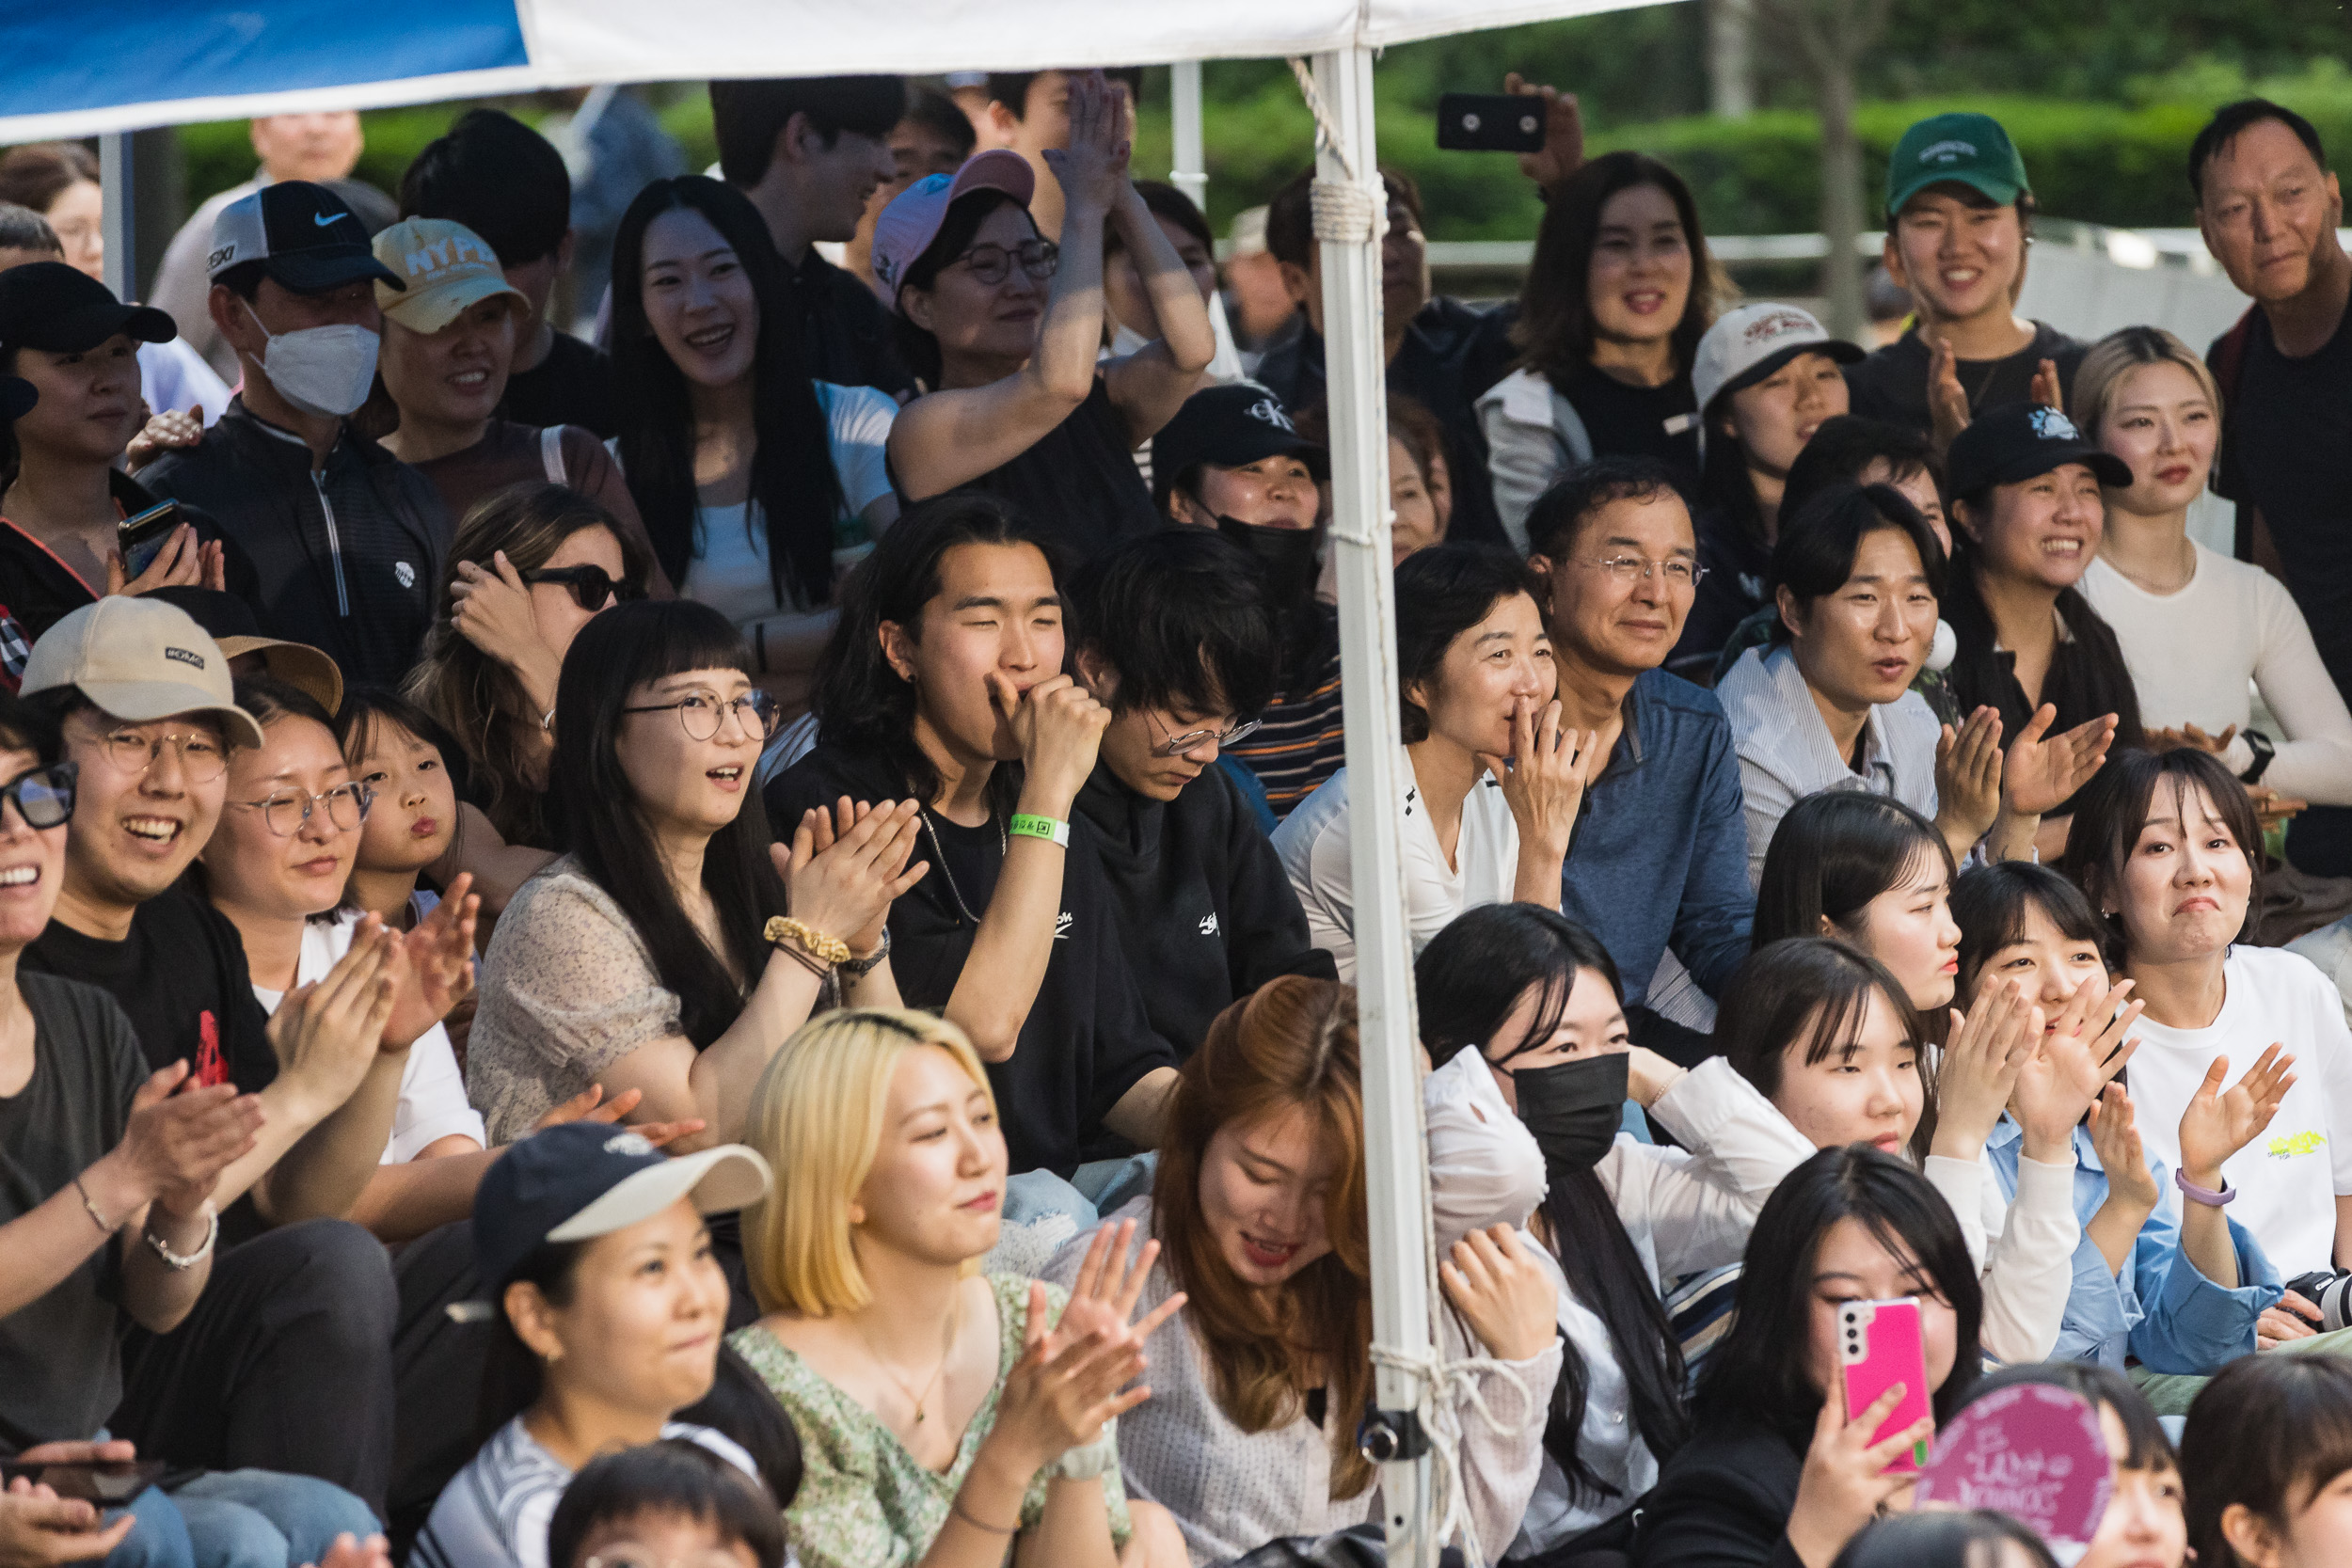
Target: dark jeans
[(285, 1364)]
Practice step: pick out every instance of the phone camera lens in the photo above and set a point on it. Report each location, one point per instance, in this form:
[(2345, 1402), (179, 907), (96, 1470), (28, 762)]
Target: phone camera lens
[(1470, 122)]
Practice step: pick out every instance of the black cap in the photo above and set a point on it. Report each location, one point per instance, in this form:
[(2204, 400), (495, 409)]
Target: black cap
[(588, 1179), (305, 237), (1228, 427), (2016, 441), (57, 309)]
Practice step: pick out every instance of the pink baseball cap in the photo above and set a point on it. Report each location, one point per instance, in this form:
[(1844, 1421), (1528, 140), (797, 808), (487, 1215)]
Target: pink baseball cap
[(907, 226)]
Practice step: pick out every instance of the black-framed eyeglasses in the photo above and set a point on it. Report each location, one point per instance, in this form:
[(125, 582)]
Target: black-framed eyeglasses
[(702, 713), (43, 797), (286, 811), (1192, 740), (590, 586), (993, 263)]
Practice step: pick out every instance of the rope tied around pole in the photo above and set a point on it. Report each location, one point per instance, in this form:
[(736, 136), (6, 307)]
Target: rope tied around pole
[(1445, 1380), (1344, 211)]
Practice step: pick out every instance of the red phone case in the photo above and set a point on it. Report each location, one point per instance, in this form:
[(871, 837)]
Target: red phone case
[(1879, 1346)]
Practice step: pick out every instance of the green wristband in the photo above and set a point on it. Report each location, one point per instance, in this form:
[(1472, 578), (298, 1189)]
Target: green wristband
[(1029, 825)]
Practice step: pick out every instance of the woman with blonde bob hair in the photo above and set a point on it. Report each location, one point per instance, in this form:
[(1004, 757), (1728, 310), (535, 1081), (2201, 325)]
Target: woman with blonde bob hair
[(1259, 1206), (947, 1414), (2197, 625)]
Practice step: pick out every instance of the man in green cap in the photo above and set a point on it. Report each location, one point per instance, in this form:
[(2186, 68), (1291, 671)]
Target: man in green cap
[(1959, 215)]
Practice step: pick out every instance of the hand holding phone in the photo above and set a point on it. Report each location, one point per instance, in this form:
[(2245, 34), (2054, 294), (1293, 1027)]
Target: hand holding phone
[(105, 1482), (1879, 1346), (142, 538), (1490, 122)]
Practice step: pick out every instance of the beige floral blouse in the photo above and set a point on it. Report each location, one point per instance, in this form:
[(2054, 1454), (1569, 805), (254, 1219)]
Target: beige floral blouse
[(865, 1502), (567, 989)]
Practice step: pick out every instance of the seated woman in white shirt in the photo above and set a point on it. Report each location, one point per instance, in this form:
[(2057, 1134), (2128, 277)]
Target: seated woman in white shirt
[(2167, 846), (1827, 704), (1522, 1012), (2196, 627), (1829, 1036), (758, 486), (1258, 1208), (276, 867), (1476, 677)]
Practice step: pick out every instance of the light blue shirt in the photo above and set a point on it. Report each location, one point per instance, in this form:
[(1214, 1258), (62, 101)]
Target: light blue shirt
[(2157, 1308)]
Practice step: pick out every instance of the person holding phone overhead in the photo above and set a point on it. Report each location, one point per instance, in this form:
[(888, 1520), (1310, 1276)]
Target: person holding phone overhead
[(69, 354)]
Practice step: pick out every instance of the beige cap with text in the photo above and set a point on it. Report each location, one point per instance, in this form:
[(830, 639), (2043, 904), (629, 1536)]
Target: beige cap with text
[(139, 660)]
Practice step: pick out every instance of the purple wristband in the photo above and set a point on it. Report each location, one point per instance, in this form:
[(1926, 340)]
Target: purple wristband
[(2205, 1196)]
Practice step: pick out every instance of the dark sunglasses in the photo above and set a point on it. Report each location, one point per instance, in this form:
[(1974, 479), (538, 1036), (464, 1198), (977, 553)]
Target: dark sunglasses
[(44, 797), (590, 585)]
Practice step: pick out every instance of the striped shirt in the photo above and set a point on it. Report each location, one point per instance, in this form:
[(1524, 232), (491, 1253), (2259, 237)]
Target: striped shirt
[(1300, 740)]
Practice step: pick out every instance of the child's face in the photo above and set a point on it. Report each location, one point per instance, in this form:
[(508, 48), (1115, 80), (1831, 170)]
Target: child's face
[(661, 1540), (415, 814)]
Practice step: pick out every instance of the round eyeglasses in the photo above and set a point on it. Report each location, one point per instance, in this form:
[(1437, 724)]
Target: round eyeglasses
[(202, 759), (1192, 740), (286, 811), (993, 263), (702, 713)]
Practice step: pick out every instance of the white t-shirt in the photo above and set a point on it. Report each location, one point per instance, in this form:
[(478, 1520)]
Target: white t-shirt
[(1312, 842), (2289, 1177), (2192, 653), (433, 1102), (729, 568)]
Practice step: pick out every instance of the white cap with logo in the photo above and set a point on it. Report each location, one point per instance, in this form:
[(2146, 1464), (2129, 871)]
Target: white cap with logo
[(139, 660), (1747, 344)]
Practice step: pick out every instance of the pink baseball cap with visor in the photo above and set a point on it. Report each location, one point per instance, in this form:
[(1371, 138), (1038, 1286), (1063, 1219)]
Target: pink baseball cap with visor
[(907, 226)]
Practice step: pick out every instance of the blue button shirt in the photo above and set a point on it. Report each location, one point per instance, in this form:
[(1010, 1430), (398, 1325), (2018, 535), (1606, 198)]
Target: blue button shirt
[(2157, 1308), (1659, 855)]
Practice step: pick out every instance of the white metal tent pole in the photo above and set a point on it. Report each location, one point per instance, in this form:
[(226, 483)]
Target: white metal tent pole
[(1189, 169), (115, 224), (1395, 1165)]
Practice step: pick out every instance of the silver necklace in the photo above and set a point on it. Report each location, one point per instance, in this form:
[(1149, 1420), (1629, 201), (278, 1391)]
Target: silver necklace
[(939, 853)]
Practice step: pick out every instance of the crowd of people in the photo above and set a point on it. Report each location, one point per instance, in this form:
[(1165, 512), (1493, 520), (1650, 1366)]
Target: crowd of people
[(737, 945)]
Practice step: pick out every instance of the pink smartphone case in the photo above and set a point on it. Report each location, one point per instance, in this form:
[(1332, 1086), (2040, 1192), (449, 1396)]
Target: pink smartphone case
[(1879, 1346)]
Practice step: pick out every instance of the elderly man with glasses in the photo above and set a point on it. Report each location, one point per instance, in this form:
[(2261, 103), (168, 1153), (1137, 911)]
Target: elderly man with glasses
[(1658, 866)]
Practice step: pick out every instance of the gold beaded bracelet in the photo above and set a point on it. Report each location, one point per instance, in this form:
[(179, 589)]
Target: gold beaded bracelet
[(825, 949)]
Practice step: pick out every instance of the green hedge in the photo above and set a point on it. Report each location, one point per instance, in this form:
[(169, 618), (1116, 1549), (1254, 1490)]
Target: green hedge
[(2100, 163)]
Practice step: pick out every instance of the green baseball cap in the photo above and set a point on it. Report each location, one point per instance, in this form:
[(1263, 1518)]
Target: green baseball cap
[(1969, 148)]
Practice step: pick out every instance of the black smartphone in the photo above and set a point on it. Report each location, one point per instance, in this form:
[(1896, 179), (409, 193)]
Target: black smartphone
[(143, 537), (1490, 122), (108, 1483)]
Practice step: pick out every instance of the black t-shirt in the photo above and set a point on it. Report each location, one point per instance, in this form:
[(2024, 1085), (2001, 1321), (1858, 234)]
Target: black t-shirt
[(2087, 678), (845, 330), (61, 1356), (1736, 562), (182, 977), (1086, 1040), (1079, 482), (2286, 449), (1892, 384), (573, 385), (1626, 420)]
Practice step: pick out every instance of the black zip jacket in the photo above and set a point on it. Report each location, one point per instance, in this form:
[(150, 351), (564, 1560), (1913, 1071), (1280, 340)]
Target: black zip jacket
[(38, 590), (1086, 1040), (1205, 912), (349, 559)]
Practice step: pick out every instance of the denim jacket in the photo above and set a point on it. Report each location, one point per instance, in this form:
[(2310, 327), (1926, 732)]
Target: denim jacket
[(2157, 1308)]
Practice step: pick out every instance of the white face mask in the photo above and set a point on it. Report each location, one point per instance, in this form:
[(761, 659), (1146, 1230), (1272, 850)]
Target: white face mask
[(326, 370)]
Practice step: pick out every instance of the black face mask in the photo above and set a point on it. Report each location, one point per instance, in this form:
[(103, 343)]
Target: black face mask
[(1290, 558), (1573, 1108)]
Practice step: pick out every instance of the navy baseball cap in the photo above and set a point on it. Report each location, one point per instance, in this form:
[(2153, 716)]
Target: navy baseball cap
[(1229, 426), (589, 1179), (2016, 441), (53, 307), (304, 236)]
